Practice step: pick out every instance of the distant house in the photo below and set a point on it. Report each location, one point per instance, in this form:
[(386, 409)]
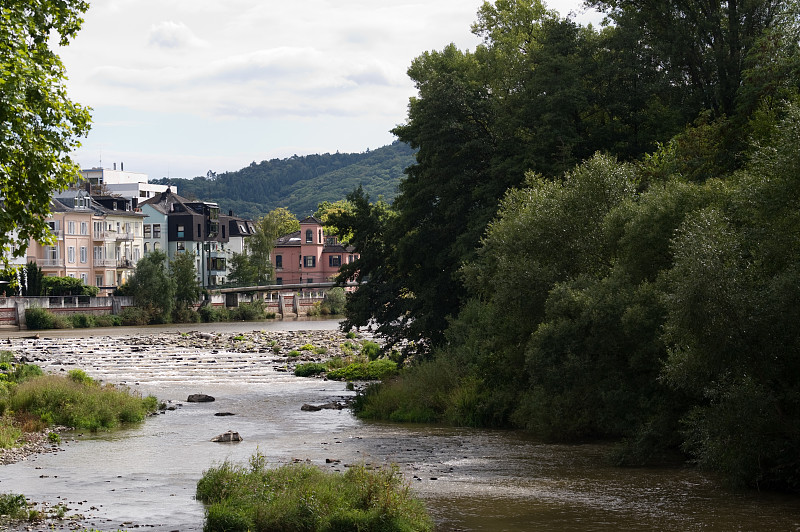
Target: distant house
[(309, 256), (178, 225), (131, 185), (97, 239)]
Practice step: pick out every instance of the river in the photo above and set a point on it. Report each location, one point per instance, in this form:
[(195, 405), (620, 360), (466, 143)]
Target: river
[(144, 477)]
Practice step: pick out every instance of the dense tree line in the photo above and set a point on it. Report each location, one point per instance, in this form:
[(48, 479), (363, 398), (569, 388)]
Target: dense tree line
[(599, 236), (300, 183)]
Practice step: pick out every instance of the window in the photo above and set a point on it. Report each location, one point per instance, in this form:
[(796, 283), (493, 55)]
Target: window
[(52, 253), (156, 230), (84, 254), (147, 230), (98, 229), (309, 236), (85, 278), (334, 261), (279, 280), (349, 259), (127, 227), (70, 228), (98, 280), (181, 246), (71, 254), (310, 261), (98, 253), (279, 261), (142, 193), (199, 231), (223, 231), (320, 236), (146, 248), (136, 254), (181, 231), (310, 280), (156, 245), (84, 228)]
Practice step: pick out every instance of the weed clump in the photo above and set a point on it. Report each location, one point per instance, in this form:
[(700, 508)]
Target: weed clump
[(303, 497)]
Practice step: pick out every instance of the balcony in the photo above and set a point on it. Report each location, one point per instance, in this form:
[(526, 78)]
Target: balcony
[(125, 264), (124, 236), (105, 263), (58, 233), (50, 263)]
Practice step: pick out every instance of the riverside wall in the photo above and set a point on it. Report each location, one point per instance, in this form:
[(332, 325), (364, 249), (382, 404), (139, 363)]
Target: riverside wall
[(12, 309)]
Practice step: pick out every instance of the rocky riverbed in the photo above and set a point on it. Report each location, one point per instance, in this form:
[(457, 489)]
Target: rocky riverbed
[(203, 355)]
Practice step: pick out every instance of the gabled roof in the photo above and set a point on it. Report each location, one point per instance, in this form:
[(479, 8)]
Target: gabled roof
[(291, 239), (311, 220), (166, 201)]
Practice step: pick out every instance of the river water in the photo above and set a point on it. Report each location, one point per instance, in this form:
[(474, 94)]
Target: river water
[(144, 477)]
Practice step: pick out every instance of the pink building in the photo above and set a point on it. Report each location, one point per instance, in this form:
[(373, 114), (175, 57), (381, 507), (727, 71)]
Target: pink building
[(309, 256)]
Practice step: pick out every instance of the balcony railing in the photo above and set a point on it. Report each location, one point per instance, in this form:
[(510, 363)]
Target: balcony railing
[(50, 263), (125, 236), (105, 263), (125, 263)]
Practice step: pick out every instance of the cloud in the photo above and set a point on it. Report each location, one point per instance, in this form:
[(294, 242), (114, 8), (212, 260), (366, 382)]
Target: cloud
[(174, 35)]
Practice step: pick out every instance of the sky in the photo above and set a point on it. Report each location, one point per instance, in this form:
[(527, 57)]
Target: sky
[(181, 87)]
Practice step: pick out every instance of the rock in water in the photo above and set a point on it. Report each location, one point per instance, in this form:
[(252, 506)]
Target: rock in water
[(199, 398), (227, 437)]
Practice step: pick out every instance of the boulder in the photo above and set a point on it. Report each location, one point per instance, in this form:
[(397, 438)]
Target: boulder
[(199, 398), (227, 437), (221, 414)]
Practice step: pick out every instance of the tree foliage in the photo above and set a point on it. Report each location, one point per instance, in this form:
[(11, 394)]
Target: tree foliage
[(184, 272), (259, 246), (39, 124), (300, 183), (152, 287), (648, 292)]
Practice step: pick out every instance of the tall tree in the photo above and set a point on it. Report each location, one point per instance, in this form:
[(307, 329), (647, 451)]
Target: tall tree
[(187, 287), (39, 124), (152, 287), (260, 245)]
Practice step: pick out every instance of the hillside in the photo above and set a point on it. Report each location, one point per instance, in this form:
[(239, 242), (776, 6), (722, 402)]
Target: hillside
[(300, 183)]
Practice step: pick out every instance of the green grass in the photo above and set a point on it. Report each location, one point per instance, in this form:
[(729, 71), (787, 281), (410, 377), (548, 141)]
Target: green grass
[(305, 498), (309, 369), (373, 370)]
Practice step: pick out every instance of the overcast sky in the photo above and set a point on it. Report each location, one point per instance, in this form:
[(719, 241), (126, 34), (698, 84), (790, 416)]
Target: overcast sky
[(180, 87)]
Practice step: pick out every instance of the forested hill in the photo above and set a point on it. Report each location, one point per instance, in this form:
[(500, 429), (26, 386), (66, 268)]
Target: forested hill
[(300, 183)]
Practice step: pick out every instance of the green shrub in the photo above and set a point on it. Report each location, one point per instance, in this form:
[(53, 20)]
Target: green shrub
[(303, 497), (80, 376), (335, 301), (184, 314), (82, 321), (249, 311), (38, 318), (212, 314), (371, 350), (307, 370), (351, 334), (371, 371), (307, 347), (13, 505), (24, 372), (134, 316), (107, 320), (294, 353), (9, 435)]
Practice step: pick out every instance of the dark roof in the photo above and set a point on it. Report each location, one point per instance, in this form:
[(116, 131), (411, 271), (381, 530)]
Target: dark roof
[(292, 239), (311, 220), (166, 202)]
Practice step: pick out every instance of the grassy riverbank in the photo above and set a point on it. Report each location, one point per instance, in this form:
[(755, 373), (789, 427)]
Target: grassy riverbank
[(31, 401), (303, 497)]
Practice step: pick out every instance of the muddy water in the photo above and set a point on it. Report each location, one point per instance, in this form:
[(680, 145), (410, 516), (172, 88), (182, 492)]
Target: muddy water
[(144, 477)]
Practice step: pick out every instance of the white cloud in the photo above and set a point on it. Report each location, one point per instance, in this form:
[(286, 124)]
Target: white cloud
[(173, 35)]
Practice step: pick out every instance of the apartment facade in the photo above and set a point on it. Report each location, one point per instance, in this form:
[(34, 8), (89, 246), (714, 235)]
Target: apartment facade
[(309, 256)]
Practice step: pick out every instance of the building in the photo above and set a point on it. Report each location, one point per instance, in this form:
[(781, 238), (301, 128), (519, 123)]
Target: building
[(178, 225), (97, 240), (131, 185), (309, 256)]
